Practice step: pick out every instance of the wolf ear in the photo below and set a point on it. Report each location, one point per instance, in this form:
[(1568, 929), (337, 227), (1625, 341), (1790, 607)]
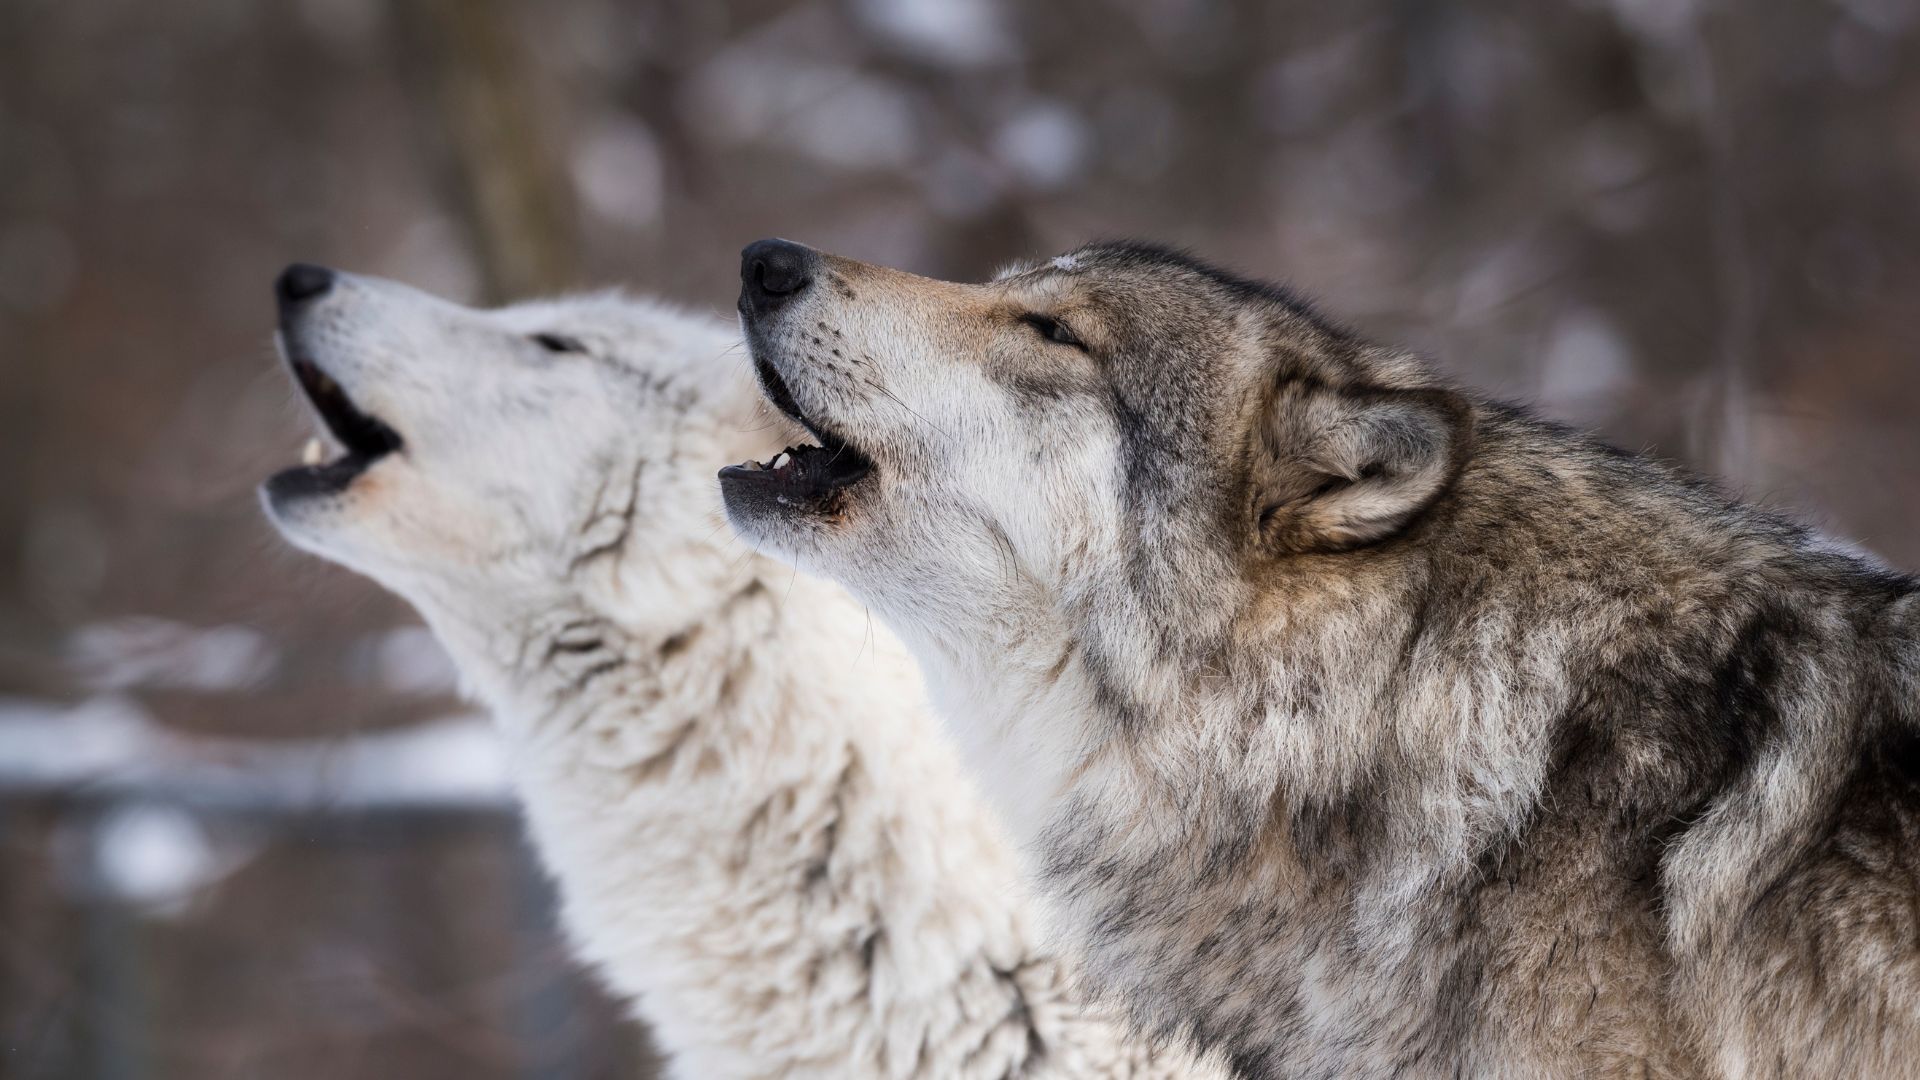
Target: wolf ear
[(1337, 468)]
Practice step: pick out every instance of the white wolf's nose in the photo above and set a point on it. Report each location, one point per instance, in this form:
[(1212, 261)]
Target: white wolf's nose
[(301, 282)]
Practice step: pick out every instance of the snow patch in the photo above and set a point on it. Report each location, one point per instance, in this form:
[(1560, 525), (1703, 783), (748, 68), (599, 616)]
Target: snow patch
[(109, 748), (1588, 360), (618, 172), (147, 651), (1046, 143), (958, 33), (154, 856)]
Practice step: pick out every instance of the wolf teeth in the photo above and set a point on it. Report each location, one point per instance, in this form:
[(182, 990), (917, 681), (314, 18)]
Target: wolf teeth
[(314, 452), (779, 460)]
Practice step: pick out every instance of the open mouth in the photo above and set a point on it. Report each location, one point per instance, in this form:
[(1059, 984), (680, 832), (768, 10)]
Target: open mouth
[(361, 438), (800, 473)]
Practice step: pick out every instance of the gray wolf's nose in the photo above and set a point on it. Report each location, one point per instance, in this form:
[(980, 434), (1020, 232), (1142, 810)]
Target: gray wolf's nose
[(301, 282), (773, 272)]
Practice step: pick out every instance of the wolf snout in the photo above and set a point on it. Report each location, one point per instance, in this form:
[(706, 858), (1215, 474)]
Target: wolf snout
[(773, 272), (300, 283)]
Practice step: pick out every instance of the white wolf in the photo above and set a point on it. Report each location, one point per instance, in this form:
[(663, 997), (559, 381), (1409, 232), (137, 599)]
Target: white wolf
[(756, 833)]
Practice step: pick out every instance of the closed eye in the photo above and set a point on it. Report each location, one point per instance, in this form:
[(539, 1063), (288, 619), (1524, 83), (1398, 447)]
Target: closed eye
[(559, 343), (1053, 330)]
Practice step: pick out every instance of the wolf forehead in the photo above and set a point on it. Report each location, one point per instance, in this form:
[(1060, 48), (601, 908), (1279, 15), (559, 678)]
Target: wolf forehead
[(1170, 314), (1165, 265), (1141, 281)]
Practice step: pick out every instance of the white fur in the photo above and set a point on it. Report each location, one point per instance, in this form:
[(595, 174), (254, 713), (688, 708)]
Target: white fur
[(758, 834)]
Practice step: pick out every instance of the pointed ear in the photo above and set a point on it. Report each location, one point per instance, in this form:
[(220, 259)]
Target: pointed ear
[(1335, 468)]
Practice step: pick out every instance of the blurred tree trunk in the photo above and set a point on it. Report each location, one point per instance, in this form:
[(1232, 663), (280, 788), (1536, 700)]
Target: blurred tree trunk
[(506, 179)]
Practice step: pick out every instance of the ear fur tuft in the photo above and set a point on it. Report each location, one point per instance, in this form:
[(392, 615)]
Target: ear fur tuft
[(1336, 468)]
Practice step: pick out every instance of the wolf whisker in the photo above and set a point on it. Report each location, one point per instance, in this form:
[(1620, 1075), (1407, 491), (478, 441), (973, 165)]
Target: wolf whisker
[(893, 398)]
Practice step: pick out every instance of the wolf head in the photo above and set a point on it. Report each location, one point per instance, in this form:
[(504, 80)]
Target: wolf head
[(1120, 405), (484, 462)]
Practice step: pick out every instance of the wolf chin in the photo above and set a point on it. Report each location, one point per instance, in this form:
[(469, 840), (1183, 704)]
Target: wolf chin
[(1361, 724), (757, 834)]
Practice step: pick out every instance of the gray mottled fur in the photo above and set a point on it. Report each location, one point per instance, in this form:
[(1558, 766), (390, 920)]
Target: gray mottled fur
[(1364, 725)]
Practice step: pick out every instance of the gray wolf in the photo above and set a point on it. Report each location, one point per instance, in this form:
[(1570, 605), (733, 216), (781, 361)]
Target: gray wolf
[(1361, 724), (757, 836)]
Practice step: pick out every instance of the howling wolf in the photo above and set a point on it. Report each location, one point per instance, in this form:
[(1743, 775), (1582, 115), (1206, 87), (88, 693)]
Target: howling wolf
[(1365, 725), (732, 774)]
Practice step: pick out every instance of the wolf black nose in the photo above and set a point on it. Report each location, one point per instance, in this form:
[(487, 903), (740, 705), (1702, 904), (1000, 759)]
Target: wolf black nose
[(773, 272), (302, 282)]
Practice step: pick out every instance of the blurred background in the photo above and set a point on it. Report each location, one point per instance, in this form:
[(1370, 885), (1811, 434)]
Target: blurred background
[(246, 828)]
